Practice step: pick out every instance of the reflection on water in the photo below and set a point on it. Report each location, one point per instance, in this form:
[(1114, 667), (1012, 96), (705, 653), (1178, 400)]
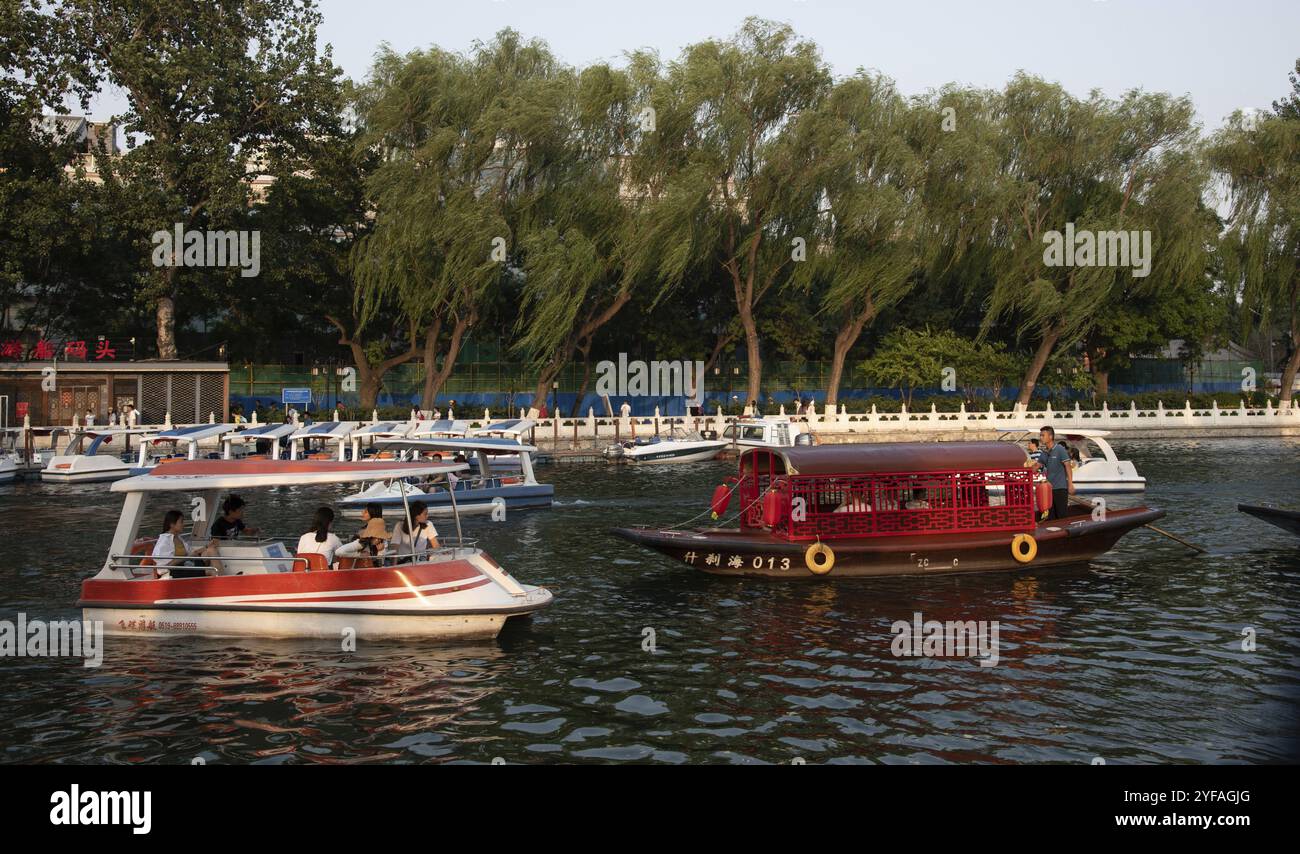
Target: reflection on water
[(1135, 658)]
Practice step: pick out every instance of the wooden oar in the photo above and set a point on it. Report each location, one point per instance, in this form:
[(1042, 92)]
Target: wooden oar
[(1082, 503)]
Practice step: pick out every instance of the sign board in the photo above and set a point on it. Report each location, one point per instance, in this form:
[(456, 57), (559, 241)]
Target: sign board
[(22, 407), (295, 396)]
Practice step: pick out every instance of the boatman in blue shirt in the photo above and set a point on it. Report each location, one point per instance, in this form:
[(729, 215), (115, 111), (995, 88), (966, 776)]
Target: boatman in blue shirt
[(1056, 468)]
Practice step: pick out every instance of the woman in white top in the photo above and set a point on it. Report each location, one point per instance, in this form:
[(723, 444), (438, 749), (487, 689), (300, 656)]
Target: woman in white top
[(426, 535), (319, 540), (171, 554)]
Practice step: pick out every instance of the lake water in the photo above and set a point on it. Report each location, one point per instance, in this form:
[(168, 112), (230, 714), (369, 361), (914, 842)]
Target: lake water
[(1136, 657)]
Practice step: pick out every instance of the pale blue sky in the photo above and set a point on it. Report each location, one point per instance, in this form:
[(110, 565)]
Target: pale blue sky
[(1226, 55)]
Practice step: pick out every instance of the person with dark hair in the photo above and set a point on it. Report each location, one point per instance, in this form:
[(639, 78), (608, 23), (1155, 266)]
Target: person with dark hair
[(231, 523), (172, 555), (1035, 451), (1056, 468), (416, 545), (319, 540), (373, 510)]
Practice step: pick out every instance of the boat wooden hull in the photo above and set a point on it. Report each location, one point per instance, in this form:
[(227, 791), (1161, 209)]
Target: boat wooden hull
[(758, 554), (1287, 520)]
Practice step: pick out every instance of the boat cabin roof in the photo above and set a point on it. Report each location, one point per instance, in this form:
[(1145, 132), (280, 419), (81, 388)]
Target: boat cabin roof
[(326, 430), (442, 426), (485, 444), (381, 428), (511, 427), (201, 475), (891, 457), (261, 431), (197, 433)]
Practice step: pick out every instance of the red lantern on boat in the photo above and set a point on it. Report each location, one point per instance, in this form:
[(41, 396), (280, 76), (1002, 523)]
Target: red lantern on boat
[(1043, 496), (721, 498), (774, 504)]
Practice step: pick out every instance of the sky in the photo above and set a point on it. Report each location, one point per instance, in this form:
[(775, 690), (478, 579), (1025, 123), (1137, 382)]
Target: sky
[(1226, 55)]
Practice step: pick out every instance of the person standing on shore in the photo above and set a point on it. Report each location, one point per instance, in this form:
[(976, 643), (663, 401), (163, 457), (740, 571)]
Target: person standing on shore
[(1058, 471)]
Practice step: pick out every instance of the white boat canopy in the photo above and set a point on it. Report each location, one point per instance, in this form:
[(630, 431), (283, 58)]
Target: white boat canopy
[(484, 444), (327, 431), (514, 427), (192, 436), (204, 475), (443, 427)]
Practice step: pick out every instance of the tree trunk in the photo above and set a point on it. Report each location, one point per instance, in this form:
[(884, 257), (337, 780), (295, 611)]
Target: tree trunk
[(370, 378), (429, 360), (166, 319), (1041, 355), (435, 379), (845, 338), (584, 348), (753, 357), (1102, 381), (1293, 363)]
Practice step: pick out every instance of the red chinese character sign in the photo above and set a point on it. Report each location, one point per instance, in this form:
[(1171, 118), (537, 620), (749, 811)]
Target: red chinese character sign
[(14, 350)]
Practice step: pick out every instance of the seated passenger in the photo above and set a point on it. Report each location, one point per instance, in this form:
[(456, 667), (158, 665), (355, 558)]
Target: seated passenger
[(426, 535), (371, 543), (319, 540), (173, 557), (853, 504), (373, 510), (231, 524)]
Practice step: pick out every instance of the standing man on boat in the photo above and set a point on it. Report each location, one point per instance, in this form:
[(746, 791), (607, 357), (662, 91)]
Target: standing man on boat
[(1058, 471)]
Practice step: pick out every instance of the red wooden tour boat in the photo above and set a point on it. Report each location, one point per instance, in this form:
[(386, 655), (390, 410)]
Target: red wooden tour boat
[(889, 509), (452, 591)]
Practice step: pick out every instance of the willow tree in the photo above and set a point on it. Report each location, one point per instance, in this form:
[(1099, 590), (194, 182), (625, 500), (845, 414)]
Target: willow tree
[(868, 176), (738, 191), (463, 140), (214, 92), (575, 276), (1080, 178), (1262, 166)]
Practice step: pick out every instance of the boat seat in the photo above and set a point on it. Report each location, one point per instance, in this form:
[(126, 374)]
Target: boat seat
[(315, 562), (356, 563), (143, 546)]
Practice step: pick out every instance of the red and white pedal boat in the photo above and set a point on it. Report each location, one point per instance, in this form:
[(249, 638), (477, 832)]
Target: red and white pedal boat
[(456, 592)]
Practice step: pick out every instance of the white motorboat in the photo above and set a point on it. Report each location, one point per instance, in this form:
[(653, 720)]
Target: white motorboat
[(455, 591), (96, 463), (1099, 469), (773, 432), (8, 468), (679, 447), (480, 492)]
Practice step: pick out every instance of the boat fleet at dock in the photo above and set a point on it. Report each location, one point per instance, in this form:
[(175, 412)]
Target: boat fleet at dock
[(802, 510)]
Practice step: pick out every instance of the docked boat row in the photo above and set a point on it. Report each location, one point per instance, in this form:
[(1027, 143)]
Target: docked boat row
[(103, 454)]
